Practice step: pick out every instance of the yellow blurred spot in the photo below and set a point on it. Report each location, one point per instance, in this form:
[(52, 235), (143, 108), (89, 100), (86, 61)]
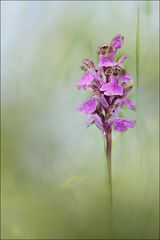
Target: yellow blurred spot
[(77, 194), (71, 181), (15, 231)]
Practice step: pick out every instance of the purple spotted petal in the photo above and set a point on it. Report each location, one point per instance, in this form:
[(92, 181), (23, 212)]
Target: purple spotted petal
[(128, 103), (126, 78), (112, 88), (104, 62), (121, 125), (97, 120), (117, 41), (129, 123), (88, 106), (107, 61), (85, 81), (123, 58)]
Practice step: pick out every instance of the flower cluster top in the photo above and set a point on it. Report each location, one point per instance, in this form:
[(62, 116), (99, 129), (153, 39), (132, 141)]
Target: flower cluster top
[(110, 86)]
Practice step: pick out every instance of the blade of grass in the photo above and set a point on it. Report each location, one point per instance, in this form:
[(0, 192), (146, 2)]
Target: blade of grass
[(148, 7), (138, 116), (138, 137), (137, 52)]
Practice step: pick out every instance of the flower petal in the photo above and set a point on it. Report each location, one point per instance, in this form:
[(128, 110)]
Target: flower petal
[(104, 62), (112, 88), (107, 61), (88, 107), (121, 125), (97, 120), (103, 102), (117, 41), (85, 81), (129, 123), (96, 76), (128, 103), (117, 111), (126, 78), (122, 58)]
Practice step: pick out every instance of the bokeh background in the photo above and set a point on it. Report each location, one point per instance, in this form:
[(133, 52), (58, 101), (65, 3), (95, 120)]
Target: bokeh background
[(53, 171)]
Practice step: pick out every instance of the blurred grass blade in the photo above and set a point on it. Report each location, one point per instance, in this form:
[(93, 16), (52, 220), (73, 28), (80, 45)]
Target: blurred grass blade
[(138, 137), (148, 7), (137, 51)]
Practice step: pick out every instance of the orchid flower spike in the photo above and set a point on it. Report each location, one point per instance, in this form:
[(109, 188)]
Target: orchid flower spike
[(108, 82)]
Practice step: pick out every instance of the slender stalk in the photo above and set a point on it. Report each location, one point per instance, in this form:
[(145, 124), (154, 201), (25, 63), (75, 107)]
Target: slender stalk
[(109, 160), (148, 7)]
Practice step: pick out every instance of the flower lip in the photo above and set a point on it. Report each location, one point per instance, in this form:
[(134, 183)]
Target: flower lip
[(107, 60), (122, 125), (112, 88), (85, 81), (89, 106)]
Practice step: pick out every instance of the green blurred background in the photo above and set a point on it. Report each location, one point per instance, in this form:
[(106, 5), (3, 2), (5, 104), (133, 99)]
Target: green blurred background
[(53, 170)]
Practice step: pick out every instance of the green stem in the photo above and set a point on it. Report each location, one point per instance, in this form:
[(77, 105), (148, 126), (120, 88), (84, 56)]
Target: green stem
[(109, 159)]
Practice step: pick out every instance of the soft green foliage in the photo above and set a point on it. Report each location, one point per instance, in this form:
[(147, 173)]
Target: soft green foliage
[(53, 170)]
